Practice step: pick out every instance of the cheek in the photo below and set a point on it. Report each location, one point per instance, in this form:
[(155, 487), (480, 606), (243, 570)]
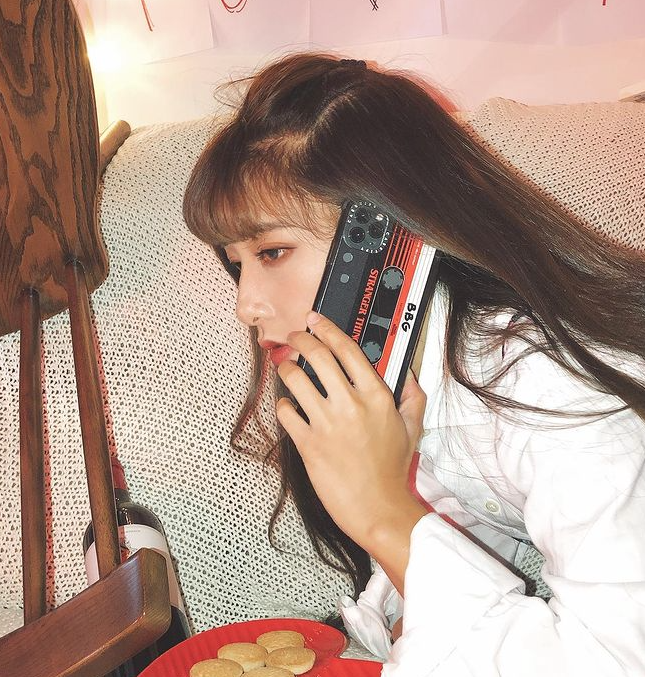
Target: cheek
[(299, 302), (314, 276), (300, 291)]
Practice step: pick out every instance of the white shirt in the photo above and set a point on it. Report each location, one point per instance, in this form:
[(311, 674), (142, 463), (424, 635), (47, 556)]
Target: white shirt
[(575, 487)]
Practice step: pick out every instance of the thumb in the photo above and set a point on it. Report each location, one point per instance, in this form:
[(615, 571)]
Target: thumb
[(412, 407)]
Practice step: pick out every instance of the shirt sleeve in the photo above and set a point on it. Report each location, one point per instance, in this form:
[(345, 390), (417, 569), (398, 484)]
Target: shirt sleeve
[(584, 483), (369, 620)]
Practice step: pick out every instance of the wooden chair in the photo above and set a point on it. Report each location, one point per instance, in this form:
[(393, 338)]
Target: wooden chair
[(51, 258)]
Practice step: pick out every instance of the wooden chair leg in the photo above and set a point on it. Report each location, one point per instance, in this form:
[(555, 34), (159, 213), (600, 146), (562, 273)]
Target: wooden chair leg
[(32, 471), (93, 428)]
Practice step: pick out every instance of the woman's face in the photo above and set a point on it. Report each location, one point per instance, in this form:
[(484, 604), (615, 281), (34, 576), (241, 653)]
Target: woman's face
[(280, 271)]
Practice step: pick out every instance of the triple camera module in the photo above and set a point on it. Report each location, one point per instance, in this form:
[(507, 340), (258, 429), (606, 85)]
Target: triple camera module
[(366, 227)]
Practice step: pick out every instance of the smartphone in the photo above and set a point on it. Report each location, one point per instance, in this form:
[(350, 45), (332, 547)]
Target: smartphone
[(376, 286)]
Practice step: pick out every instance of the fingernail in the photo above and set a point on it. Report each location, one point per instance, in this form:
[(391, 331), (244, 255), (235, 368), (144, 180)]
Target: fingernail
[(312, 318)]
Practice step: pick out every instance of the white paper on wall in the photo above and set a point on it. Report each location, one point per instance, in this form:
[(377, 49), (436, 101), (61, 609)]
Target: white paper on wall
[(564, 22), (178, 28), (259, 25), (522, 21), (591, 21), (340, 23)]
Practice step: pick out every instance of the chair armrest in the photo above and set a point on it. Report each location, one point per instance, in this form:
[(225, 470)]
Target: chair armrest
[(97, 630)]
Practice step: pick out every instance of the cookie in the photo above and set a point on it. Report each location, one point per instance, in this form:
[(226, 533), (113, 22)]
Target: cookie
[(216, 667), (279, 639), (296, 659), (247, 654), (269, 672)]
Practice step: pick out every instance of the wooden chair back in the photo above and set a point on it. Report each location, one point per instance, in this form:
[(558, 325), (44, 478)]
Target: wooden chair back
[(51, 258)]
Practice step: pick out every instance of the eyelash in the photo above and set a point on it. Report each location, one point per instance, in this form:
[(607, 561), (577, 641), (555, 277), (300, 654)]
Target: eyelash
[(269, 261), (260, 256)]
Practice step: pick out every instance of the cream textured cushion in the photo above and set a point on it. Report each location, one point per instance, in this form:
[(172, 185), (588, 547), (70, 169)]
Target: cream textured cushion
[(174, 363), (588, 156)]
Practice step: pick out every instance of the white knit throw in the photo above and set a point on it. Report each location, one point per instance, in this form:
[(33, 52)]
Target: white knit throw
[(175, 366)]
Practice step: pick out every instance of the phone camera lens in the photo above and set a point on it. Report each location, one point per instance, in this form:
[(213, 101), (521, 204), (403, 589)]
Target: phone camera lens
[(356, 234), (362, 215), (376, 229)]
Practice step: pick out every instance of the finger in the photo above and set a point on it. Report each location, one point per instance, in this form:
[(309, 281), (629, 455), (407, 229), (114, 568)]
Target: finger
[(397, 629), (411, 387), (321, 360), (292, 422), (301, 387), (347, 351), (413, 398), (412, 408)]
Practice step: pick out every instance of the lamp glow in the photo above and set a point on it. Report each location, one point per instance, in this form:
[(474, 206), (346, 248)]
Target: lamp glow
[(107, 54)]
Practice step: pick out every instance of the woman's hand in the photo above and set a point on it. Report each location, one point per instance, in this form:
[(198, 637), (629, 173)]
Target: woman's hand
[(357, 447)]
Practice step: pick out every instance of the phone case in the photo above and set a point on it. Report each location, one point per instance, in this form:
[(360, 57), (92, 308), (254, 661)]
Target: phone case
[(376, 286)]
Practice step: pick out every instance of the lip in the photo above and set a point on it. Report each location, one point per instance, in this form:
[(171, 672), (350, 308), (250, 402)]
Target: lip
[(268, 345), (280, 353)]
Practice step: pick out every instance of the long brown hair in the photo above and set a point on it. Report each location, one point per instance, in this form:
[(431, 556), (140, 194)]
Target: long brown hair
[(313, 128)]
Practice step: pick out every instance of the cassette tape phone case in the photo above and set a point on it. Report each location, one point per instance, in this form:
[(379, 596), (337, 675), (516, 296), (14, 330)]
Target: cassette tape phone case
[(377, 284)]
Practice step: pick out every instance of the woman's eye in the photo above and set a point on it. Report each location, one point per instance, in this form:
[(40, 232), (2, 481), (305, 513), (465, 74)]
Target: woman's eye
[(266, 257), (270, 255)]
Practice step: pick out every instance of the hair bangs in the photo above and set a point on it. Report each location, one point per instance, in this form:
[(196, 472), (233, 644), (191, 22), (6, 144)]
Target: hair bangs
[(242, 191), (262, 199)]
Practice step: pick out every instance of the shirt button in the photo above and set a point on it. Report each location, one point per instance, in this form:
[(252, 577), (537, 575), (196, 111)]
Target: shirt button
[(492, 506)]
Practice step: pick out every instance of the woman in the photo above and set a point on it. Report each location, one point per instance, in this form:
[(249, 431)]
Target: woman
[(534, 421)]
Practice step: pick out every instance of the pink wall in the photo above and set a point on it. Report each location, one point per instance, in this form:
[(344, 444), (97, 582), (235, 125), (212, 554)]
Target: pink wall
[(535, 51)]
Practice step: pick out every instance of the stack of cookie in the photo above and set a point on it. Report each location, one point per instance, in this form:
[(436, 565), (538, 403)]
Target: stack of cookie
[(279, 653)]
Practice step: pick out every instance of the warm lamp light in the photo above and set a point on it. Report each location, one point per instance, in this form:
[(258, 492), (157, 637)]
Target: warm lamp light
[(107, 54)]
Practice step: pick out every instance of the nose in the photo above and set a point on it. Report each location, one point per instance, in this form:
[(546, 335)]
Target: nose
[(253, 303)]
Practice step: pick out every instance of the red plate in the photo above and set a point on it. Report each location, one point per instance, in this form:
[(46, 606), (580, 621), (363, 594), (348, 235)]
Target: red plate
[(327, 642)]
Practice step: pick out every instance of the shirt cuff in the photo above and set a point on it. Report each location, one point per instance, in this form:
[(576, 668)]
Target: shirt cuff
[(449, 573), (369, 620)]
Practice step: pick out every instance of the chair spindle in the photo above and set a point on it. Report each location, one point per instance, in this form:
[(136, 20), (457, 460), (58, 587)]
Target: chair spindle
[(93, 428), (32, 461)]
